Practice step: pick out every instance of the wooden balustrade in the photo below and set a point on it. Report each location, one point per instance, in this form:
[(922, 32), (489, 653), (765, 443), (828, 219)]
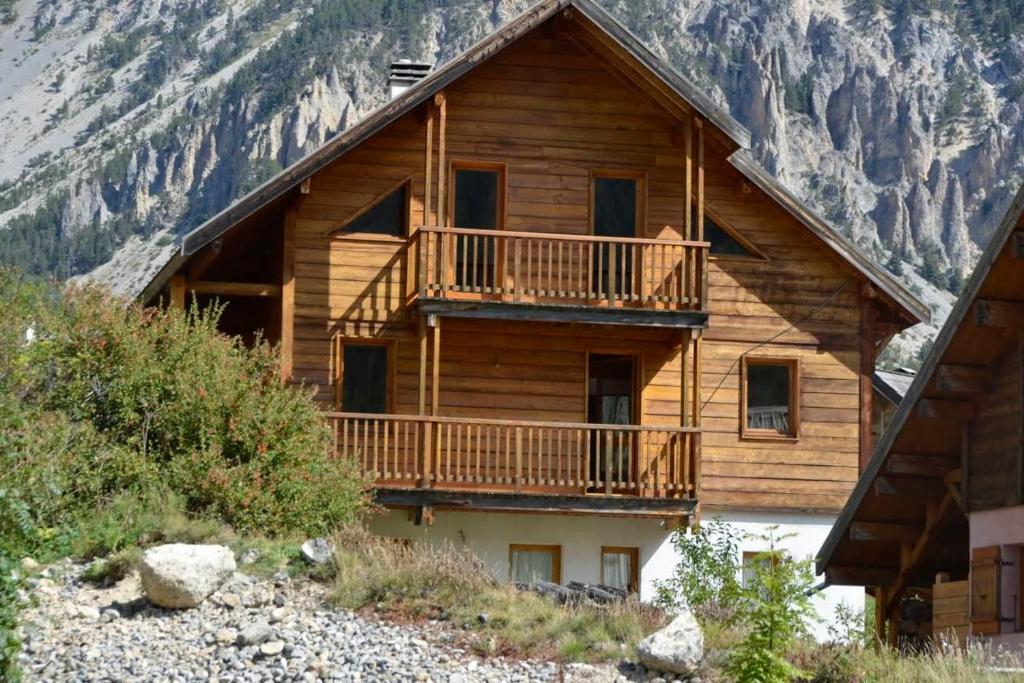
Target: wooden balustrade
[(527, 267), (526, 457)]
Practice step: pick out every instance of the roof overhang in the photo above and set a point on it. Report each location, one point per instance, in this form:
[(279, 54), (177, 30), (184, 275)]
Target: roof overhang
[(907, 412)]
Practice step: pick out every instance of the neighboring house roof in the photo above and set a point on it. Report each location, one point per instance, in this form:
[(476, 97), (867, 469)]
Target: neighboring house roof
[(683, 88), (923, 380), (892, 385)]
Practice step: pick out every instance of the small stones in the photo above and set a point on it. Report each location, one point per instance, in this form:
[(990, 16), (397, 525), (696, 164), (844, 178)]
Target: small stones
[(30, 566), (231, 600), (482, 618), (255, 633), (317, 551), (226, 636), (250, 556), (302, 639)]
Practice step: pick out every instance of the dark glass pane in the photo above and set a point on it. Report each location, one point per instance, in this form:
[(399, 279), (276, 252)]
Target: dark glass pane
[(614, 216), (476, 199), (768, 394), (365, 379), (615, 207), (722, 243), (386, 217)]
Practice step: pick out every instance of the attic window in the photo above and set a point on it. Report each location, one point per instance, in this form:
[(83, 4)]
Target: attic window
[(388, 215), (723, 241)]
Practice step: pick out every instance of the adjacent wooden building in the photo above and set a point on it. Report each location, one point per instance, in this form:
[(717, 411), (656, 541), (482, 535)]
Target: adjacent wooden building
[(549, 278), (939, 512)]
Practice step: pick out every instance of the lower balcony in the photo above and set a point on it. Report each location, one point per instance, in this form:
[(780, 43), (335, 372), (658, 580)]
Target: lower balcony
[(513, 465)]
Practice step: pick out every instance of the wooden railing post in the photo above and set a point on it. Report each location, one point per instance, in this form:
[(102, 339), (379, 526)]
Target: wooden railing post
[(517, 284), (426, 454), (519, 459), (607, 464)]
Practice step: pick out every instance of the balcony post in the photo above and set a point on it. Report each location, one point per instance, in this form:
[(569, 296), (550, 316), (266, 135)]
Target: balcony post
[(423, 427), (442, 108), (519, 459), (700, 216)]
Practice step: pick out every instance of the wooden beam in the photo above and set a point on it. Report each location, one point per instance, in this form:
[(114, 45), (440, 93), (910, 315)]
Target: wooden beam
[(909, 487), (304, 186), (684, 379), (688, 173), (442, 119), (634, 506), (942, 409), (287, 349), (177, 285), (1004, 314), (912, 554), (198, 264), (428, 166), (590, 315), (884, 532), (422, 403), (839, 575), (960, 379), (918, 465), (254, 289), (435, 368)]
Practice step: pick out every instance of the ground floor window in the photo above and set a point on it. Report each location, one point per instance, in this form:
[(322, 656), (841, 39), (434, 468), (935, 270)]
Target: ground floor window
[(620, 568), (532, 563), (754, 560)]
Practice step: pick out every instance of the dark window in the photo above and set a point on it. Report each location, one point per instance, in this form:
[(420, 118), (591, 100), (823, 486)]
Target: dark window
[(476, 199), (615, 207), (770, 397), (721, 240), (364, 385), (387, 217), (614, 216)]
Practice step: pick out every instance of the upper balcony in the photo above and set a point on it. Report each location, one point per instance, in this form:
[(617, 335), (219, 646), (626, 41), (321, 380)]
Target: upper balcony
[(625, 279)]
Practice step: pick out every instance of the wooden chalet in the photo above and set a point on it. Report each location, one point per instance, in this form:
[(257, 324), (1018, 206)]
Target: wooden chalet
[(939, 512), (549, 277)]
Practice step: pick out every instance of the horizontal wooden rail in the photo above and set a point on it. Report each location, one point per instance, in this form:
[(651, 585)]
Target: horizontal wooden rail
[(528, 267), (525, 457)]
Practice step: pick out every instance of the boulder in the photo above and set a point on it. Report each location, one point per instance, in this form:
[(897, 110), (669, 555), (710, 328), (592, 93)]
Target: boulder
[(678, 648), (317, 551), (179, 575)]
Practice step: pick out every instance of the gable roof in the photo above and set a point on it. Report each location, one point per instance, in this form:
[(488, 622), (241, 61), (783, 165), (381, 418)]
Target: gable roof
[(922, 380), (684, 89)]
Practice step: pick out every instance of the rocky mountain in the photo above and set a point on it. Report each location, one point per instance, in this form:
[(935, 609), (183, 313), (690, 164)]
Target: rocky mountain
[(125, 123)]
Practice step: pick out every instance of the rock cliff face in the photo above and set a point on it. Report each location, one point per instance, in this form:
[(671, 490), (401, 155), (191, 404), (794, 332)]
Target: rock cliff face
[(125, 124)]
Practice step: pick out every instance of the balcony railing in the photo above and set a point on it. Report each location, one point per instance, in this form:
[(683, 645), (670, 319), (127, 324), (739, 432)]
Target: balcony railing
[(527, 267), (521, 457)]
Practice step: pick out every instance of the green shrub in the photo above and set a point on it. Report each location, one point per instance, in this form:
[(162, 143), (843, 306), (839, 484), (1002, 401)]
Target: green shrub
[(706, 578), (774, 611)]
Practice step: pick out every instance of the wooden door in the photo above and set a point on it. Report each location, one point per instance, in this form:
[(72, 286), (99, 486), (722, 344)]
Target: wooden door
[(611, 400), (477, 203), (615, 212)]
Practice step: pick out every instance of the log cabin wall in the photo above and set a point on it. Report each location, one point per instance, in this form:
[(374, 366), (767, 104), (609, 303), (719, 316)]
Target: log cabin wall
[(993, 462), (553, 114)]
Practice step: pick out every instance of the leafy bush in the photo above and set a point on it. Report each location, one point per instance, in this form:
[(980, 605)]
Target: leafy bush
[(706, 577), (774, 611)]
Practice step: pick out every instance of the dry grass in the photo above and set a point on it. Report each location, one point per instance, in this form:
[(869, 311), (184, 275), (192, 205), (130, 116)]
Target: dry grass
[(442, 582)]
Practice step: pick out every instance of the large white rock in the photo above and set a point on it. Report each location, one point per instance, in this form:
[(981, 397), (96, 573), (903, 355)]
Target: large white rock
[(678, 648), (180, 575)]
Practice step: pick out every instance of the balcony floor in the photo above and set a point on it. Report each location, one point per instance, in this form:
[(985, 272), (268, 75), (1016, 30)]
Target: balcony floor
[(600, 315), (626, 506)]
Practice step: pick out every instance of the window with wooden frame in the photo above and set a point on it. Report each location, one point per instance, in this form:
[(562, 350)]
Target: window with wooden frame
[(617, 209), (364, 375), (755, 561), (770, 398), (620, 568), (387, 215), (726, 242), (532, 563)]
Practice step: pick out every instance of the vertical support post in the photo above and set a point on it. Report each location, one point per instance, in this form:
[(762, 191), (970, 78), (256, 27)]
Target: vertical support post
[(422, 404), (424, 427), (428, 166), (688, 206), (519, 459), (440, 101), (684, 379), (435, 381), (178, 292), (288, 294), (698, 372), (700, 216), (880, 601), (868, 316)]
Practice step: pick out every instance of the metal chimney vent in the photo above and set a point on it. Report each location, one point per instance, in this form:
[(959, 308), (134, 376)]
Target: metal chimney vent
[(405, 74)]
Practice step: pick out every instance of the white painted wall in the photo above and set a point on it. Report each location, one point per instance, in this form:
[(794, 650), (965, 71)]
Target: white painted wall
[(1003, 527), (488, 535)]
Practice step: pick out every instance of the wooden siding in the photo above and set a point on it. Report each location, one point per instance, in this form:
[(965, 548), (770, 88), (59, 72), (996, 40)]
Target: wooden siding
[(993, 463), (553, 114)]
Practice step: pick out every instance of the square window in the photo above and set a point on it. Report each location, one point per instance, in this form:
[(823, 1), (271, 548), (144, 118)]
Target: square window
[(620, 568), (532, 563), (770, 397), (364, 378)]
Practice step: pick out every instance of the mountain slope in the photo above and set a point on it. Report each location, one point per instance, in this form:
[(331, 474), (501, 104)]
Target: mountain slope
[(124, 125)]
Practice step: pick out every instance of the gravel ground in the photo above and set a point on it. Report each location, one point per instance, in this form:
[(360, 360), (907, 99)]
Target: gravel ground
[(250, 630)]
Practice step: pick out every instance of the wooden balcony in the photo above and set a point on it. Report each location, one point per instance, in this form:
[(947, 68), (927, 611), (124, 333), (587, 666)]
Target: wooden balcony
[(574, 270), (522, 458)]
